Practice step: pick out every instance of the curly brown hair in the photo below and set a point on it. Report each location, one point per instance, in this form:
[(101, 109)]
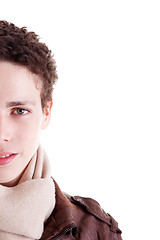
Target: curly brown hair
[(24, 48)]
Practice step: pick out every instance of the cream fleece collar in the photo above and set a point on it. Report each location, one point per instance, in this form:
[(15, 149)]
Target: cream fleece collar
[(25, 207)]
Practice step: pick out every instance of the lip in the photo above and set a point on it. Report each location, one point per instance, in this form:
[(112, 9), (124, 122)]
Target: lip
[(6, 160)]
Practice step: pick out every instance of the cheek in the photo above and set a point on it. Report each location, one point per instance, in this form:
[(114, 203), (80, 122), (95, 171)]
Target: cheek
[(29, 130)]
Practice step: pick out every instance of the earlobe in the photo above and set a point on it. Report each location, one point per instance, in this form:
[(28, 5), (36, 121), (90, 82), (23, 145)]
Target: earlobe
[(47, 115)]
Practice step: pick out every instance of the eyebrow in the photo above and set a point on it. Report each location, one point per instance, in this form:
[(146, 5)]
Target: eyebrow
[(19, 103)]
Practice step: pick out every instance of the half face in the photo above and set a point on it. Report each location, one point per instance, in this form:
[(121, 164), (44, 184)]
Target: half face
[(21, 120)]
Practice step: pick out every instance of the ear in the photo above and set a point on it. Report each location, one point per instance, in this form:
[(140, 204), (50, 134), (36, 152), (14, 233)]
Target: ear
[(46, 115)]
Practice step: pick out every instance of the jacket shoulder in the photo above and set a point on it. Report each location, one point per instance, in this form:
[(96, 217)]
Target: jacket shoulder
[(92, 207), (79, 218)]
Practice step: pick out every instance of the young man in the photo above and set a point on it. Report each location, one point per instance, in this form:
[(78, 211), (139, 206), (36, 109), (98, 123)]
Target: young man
[(31, 204)]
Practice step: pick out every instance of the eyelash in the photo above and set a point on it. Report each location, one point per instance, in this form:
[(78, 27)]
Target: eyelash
[(15, 111)]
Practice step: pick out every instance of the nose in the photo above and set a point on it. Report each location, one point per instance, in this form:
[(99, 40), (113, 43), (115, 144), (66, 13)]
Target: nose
[(5, 130)]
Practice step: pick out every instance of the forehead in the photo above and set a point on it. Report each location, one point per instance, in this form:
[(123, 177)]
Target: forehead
[(17, 83)]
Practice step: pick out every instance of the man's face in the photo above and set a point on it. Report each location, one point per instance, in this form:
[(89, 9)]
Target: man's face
[(21, 120)]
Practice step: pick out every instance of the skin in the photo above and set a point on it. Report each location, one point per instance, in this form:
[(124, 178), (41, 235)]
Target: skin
[(21, 118)]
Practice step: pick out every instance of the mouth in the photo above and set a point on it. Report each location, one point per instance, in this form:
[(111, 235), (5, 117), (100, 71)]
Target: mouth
[(6, 158)]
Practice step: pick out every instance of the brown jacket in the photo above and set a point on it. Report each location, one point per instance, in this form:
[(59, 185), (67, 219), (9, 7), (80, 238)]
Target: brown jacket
[(79, 218)]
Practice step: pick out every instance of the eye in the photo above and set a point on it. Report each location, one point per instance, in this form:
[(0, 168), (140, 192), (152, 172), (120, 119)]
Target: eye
[(20, 111)]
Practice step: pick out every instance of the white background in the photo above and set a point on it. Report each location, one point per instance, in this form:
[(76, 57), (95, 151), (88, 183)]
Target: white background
[(104, 136)]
